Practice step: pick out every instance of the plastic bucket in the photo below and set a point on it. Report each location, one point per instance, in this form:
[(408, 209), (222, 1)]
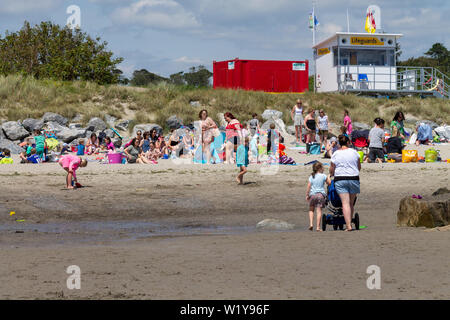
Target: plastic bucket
[(114, 158), (361, 156)]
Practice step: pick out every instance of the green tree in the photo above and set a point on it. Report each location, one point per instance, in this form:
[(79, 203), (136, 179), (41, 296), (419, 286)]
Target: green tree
[(143, 78), (198, 77), (178, 78), (48, 50)]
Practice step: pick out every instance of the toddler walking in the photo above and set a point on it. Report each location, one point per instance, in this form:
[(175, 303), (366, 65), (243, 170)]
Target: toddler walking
[(242, 160), (315, 193)]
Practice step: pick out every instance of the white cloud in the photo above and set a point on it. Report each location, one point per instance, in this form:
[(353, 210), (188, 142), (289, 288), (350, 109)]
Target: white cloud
[(23, 6), (160, 14), (187, 60)]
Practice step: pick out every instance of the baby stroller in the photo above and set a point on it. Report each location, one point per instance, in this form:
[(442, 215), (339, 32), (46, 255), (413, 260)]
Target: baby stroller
[(336, 218)]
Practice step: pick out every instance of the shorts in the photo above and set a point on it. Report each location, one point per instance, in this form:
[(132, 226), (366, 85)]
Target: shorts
[(317, 201), (323, 132), (234, 140), (64, 162), (347, 186), (376, 153), (298, 120)]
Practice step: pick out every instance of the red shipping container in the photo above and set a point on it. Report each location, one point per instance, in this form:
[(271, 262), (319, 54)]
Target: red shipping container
[(262, 75)]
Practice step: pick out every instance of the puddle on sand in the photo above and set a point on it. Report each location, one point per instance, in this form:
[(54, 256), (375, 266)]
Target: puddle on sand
[(89, 231)]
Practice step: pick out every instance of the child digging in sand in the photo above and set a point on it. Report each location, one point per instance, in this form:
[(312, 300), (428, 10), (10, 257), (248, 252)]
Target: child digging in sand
[(71, 163), (315, 193), (242, 160)]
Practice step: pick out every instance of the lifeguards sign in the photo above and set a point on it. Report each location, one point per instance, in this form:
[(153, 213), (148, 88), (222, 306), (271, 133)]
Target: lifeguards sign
[(323, 51), (366, 41)]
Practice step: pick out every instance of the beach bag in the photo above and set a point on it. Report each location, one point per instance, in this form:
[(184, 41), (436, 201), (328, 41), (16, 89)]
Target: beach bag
[(431, 155), (314, 148), (333, 196), (286, 160), (409, 156)]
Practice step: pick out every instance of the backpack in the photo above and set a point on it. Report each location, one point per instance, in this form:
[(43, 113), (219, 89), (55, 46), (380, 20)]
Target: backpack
[(333, 196)]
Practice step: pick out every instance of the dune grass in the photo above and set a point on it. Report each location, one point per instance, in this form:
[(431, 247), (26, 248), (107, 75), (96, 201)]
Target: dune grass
[(25, 97)]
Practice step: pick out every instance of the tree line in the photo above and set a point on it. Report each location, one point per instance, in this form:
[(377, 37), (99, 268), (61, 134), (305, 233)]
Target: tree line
[(438, 56), (195, 77)]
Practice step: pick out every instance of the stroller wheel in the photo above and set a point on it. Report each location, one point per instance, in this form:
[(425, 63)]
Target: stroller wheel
[(341, 227), (324, 222), (335, 226), (356, 221)]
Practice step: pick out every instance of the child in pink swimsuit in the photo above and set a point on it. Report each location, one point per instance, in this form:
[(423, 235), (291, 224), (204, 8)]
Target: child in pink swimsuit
[(71, 163), (348, 122)]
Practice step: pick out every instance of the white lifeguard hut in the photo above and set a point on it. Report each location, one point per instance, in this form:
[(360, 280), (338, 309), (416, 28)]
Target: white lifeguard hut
[(365, 63), (356, 61)]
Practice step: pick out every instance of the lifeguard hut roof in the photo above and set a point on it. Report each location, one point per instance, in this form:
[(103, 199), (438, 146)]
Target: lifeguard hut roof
[(320, 44)]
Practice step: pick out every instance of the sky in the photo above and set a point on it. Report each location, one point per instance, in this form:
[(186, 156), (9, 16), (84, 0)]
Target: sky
[(168, 36)]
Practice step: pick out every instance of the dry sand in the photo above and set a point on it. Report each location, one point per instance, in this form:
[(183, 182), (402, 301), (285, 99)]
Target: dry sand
[(188, 232)]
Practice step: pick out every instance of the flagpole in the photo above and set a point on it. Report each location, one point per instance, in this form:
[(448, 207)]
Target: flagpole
[(348, 23), (314, 43)]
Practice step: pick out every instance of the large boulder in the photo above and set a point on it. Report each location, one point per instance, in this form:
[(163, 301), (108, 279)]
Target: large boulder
[(65, 134), (174, 122), (54, 117), (274, 224), (430, 212), (2, 134), (11, 146), (432, 124), (96, 124), (279, 125), (14, 130), (360, 126), (147, 127), (33, 124), (122, 125), (291, 130), (221, 119), (110, 120), (109, 133), (272, 114)]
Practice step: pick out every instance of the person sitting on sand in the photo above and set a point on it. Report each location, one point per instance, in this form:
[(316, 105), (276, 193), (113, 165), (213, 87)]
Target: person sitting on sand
[(109, 146), (331, 147), (92, 144), (6, 157), (133, 152), (424, 134), (40, 143), (394, 149), (316, 195), (71, 163), (145, 142)]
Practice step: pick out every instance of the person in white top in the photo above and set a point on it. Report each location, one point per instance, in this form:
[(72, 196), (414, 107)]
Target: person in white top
[(345, 167), (323, 128), (297, 117)]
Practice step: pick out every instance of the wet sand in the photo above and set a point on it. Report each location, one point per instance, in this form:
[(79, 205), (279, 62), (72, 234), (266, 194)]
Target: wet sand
[(188, 232)]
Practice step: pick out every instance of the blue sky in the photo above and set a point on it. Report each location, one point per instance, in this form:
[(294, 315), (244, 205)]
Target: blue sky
[(167, 36)]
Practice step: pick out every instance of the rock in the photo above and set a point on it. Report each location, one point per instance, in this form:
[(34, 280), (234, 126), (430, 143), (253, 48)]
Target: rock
[(423, 213), (195, 103), (272, 114), (221, 119), (96, 124), (32, 124), (75, 126), (279, 125), (360, 126), (174, 122), (117, 143), (14, 130), (440, 191), (291, 130), (110, 120), (432, 124), (109, 133), (87, 134), (147, 127), (2, 134), (11, 146), (122, 125), (274, 224), (443, 132), (65, 134), (78, 118), (54, 117)]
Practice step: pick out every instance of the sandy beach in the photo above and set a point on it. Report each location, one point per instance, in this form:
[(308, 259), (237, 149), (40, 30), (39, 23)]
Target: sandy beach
[(180, 231)]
